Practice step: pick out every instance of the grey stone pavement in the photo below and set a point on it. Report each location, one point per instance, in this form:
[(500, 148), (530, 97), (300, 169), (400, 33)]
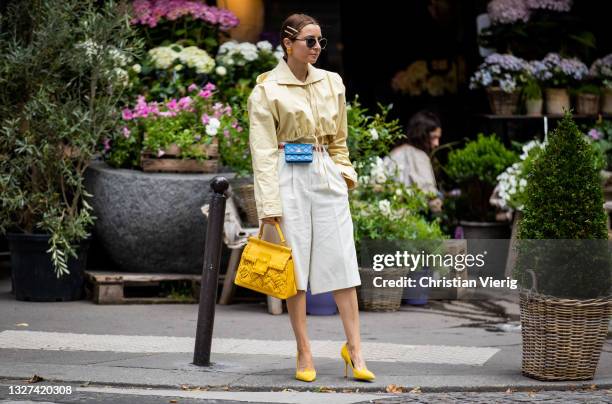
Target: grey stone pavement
[(442, 352)]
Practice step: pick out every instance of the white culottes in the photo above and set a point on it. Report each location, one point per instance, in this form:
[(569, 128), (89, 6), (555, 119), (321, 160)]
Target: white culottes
[(317, 224)]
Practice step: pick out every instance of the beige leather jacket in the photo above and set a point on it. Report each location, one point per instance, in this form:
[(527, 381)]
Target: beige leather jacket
[(284, 109)]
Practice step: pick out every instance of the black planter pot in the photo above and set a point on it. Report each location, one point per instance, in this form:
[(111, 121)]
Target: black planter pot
[(485, 230), (34, 278)]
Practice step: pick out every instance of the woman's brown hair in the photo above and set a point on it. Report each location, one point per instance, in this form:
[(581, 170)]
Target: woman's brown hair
[(293, 25)]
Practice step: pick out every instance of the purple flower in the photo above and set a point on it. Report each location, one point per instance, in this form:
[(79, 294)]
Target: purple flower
[(126, 132), (210, 87), (185, 104), (205, 94), (205, 119), (553, 5), (151, 12), (595, 134), (127, 114), (192, 87), (602, 68), (508, 11), (558, 71), (226, 133), (106, 142)]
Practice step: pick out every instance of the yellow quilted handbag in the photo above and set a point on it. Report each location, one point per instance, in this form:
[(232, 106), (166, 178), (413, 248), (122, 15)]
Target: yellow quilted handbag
[(267, 267)]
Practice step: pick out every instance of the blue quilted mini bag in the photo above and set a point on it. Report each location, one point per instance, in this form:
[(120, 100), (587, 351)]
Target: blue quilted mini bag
[(298, 152)]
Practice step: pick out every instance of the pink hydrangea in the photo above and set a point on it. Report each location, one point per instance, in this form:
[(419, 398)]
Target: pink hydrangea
[(150, 12), (508, 11)]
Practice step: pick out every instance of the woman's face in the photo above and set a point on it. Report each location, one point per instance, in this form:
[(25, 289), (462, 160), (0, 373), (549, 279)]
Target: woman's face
[(301, 52), (434, 137)]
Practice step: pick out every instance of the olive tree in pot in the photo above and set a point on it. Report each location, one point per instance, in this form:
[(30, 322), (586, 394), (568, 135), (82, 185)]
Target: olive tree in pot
[(563, 263), (475, 169), (60, 82)]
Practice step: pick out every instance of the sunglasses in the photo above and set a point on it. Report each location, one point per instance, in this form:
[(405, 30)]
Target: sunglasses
[(311, 41)]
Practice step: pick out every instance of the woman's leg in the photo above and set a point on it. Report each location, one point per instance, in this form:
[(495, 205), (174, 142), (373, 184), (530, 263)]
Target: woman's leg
[(296, 306), (346, 300)]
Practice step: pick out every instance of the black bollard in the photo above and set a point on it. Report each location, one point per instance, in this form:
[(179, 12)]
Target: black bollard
[(210, 272)]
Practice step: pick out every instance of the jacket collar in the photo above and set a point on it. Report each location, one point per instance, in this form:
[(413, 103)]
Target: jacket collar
[(286, 76)]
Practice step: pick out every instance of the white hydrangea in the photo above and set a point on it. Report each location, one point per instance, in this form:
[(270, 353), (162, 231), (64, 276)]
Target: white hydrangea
[(265, 46), (137, 68), (279, 53), (197, 58), (221, 70), (163, 56)]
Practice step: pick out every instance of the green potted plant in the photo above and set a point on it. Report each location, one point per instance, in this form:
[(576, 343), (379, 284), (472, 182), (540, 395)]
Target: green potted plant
[(502, 76), (386, 214), (475, 169), (558, 74), (601, 71), (587, 98), (62, 75), (532, 93), (563, 262)]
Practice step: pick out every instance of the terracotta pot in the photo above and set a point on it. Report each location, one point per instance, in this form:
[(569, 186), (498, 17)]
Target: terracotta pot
[(534, 107), (587, 104), (501, 102), (557, 101), (606, 101)]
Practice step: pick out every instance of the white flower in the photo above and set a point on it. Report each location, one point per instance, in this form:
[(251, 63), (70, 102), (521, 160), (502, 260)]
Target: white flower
[(178, 67), (137, 68), (264, 45), (398, 192), (227, 47), (163, 56), (374, 133), (213, 126), (121, 76), (197, 58), (221, 70), (385, 207)]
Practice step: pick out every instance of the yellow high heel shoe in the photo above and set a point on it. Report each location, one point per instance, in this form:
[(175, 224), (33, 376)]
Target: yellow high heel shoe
[(359, 374), (307, 375)]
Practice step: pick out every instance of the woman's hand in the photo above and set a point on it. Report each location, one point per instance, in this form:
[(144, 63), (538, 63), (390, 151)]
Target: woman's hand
[(271, 220)]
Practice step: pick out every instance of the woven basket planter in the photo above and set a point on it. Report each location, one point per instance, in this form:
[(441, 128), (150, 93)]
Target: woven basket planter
[(501, 102), (587, 104), (557, 101), (606, 101), (371, 298), (562, 338)]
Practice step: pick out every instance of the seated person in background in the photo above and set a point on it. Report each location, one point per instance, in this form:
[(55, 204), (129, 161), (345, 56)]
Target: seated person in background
[(412, 157)]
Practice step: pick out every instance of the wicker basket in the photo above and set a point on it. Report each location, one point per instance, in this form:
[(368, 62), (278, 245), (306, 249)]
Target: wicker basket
[(246, 194), (562, 338), (501, 102), (371, 298), (587, 104)]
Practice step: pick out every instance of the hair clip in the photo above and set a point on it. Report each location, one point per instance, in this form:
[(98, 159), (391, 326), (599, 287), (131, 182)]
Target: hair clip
[(292, 32)]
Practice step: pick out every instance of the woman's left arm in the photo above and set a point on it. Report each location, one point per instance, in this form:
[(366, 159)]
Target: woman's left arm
[(338, 149)]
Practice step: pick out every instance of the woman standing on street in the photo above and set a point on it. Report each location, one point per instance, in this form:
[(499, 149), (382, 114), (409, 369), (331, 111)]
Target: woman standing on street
[(298, 103)]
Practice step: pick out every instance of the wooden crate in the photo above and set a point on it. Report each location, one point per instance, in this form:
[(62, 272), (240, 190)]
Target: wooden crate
[(170, 162), (105, 287)]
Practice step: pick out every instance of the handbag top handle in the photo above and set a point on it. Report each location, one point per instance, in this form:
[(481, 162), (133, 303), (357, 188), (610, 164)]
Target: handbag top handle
[(278, 229)]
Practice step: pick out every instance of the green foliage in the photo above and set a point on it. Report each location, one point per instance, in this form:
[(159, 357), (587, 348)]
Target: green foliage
[(482, 159), (370, 136), (61, 78), (600, 136), (475, 169), (565, 202), (532, 89)]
